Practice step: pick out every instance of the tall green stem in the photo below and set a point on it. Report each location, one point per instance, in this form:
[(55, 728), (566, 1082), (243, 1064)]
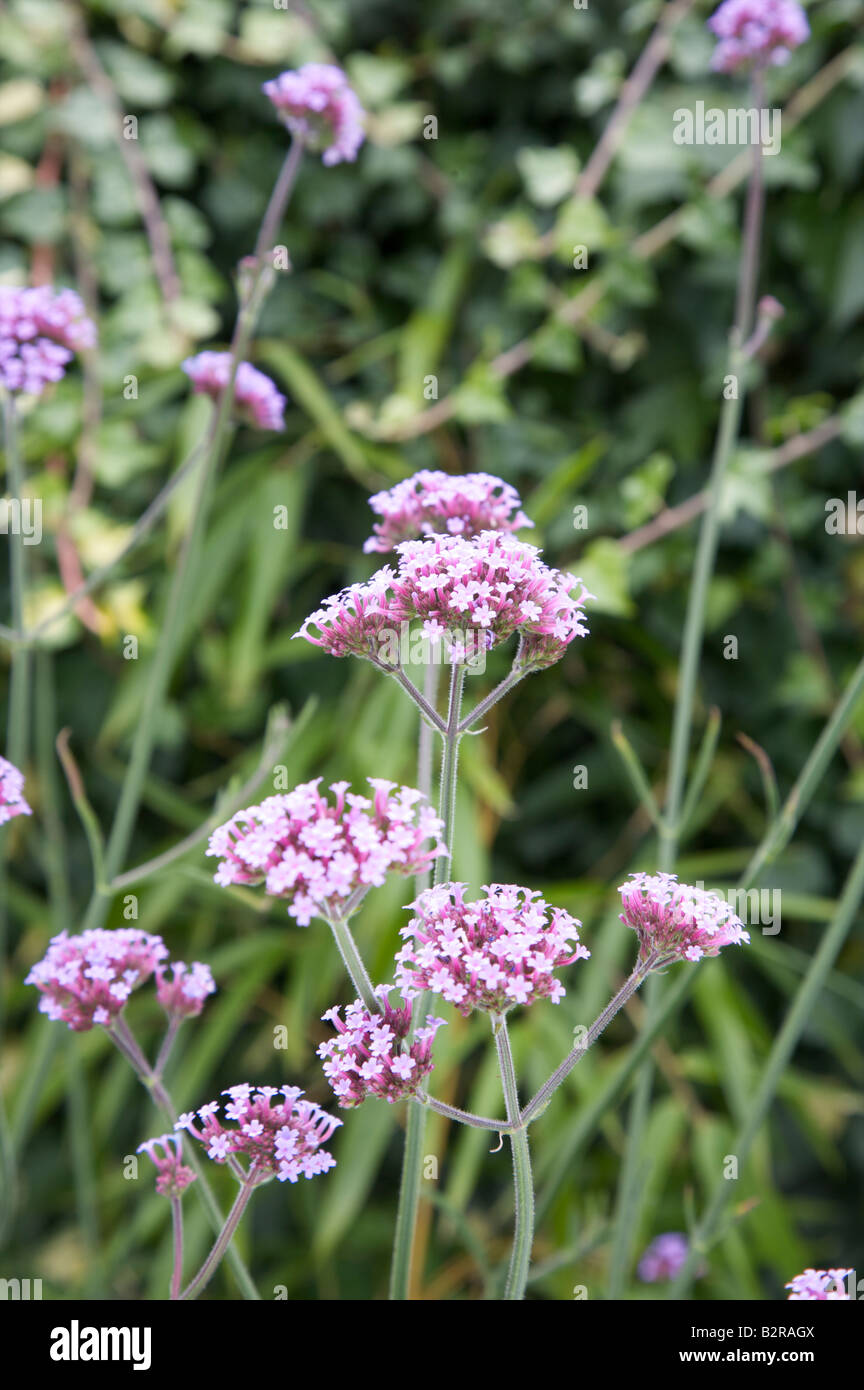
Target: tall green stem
[(415, 1125), (669, 832), (353, 963), (18, 724), (221, 1245), (523, 1182), (252, 298)]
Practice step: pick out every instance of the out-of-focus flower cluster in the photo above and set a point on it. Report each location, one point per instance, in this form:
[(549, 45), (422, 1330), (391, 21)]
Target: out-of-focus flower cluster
[(12, 801), (490, 954), (369, 1056), (432, 502), (40, 329), (316, 855), (318, 103), (256, 398), (277, 1132), (86, 979), (677, 922), (820, 1285), (664, 1257), (183, 996), (756, 33), (491, 584), (166, 1153)]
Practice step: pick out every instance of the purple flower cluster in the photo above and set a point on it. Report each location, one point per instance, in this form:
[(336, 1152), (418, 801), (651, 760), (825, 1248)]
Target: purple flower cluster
[(677, 922), (318, 104), (369, 1058), (664, 1257), (256, 398), (491, 584), (316, 855), (756, 33), (431, 502), (166, 1152), (40, 329), (183, 996), (820, 1285), (12, 801), (490, 954), (278, 1137), (86, 979)]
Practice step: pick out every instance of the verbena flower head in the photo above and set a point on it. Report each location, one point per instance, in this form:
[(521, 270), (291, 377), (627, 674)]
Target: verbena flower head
[(40, 329), (256, 398), (756, 33), (822, 1285), (12, 801), (491, 585), (318, 103), (86, 979), (677, 922), (433, 502), (166, 1152), (277, 1132), (372, 1055), (316, 854), (490, 954), (664, 1257), (183, 996)]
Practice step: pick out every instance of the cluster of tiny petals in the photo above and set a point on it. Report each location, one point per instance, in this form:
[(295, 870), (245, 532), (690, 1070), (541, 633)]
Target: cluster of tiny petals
[(491, 585), (490, 954), (184, 994), (756, 33), (40, 329), (166, 1152), (433, 502), (316, 854), (277, 1132), (369, 1055), (820, 1285), (318, 103), (677, 922), (256, 398), (12, 801), (87, 979), (664, 1257)]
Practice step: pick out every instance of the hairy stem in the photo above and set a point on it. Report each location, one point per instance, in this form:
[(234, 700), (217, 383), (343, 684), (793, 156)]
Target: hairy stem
[(523, 1182)]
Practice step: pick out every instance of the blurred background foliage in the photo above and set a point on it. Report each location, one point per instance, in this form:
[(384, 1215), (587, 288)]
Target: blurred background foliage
[(450, 241)]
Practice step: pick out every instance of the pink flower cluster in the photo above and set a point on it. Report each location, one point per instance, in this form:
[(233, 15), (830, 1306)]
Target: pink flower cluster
[(432, 502), (166, 1152), (316, 855), (12, 801), (822, 1285), (490, 954), (277, 1137), (184, 994), (86, 979), (40, 329), (368, 1057), (318, 104), (491, 584), (756, 33), (664, 1257), (256, 398), (676, 922)]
